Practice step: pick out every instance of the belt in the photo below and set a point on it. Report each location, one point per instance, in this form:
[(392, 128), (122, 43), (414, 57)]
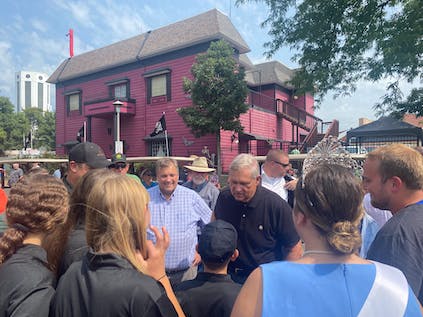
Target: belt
[(174, 271)]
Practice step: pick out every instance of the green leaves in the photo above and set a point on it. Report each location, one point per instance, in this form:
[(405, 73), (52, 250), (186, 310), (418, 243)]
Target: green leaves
[(341, 41), (14, 127), (218, 92)]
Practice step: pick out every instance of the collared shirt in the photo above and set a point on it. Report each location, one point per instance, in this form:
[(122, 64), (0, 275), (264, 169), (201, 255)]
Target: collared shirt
[(180, 215), (209, 294), (108, 285), (275, 184), (206, 190), (26, 285), (265, 227)]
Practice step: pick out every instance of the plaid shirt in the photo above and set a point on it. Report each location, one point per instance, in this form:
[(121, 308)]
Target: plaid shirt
[(180, 215)]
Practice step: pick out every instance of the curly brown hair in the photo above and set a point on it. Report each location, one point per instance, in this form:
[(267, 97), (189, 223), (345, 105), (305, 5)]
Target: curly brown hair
[(37, 204)]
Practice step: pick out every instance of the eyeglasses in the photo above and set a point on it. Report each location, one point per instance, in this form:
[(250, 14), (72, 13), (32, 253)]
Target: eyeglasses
[(118, 166), (281, 164)]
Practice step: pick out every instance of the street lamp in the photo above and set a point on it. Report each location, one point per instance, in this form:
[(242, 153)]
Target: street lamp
[(118, 143)]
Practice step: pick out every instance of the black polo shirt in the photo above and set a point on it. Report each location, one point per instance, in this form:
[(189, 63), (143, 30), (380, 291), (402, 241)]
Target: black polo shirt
[(26, 285), (211, 295), (265, 228), (107, 285)]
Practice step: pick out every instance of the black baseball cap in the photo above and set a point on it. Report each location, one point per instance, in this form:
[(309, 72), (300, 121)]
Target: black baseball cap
[(118, 158), (217, 242), (90, 154)]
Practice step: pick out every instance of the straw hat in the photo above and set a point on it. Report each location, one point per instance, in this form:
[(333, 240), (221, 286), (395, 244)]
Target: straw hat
[(200, 165)]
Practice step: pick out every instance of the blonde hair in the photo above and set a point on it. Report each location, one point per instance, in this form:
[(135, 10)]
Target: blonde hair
[(115, 218), (401, 161), (37, 204), (331, 196)]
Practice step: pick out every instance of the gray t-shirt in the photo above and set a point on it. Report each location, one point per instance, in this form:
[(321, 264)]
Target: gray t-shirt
[(400, 243)]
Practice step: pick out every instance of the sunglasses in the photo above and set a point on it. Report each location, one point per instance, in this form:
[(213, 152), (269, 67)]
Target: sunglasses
[(281, 164), (118, 166)]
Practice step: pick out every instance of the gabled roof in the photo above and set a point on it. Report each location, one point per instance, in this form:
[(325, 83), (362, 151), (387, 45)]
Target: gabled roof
[(273, 72), (385, 126), (211, 25)]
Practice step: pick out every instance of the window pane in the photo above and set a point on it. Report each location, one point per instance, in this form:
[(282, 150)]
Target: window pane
[(27, 94), (120, 91), (158, 148), (40, 95), (158, 86), (73, 102)]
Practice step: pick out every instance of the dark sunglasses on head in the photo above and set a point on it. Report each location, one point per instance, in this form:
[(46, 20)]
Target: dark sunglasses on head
[(118, 165)]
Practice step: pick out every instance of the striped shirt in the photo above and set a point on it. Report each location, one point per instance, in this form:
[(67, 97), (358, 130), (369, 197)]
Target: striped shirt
[(180, 215)]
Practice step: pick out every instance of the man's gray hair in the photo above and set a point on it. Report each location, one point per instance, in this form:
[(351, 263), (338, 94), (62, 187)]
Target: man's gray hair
[(165, 163), (247, 161)]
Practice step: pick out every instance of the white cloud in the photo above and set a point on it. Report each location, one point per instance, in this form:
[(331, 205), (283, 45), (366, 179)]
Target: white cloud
[(39, 25), (6, 65)]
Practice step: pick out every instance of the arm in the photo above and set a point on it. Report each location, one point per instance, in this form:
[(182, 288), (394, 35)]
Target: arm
[(155, 264), (250, 300)]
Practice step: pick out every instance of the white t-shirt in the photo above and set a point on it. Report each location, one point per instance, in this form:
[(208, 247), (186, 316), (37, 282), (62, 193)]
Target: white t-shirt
[(381, 216), (275, 184)]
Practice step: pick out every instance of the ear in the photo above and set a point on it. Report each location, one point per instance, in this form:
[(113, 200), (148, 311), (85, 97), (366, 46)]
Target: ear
[(73, 166), (235, 255), (397, 184), (298, 217)]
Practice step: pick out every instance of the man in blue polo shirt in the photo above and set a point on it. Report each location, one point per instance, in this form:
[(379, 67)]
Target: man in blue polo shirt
[(180, 210)]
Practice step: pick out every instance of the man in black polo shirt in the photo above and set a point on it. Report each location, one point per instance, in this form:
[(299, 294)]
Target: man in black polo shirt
[(212, 293), (262, 218)]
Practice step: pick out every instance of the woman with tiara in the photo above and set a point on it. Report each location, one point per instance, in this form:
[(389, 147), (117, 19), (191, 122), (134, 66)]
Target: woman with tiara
[(330, 279)]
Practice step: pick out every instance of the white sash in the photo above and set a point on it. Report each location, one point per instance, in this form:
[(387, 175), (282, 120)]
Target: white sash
[(388, 296)]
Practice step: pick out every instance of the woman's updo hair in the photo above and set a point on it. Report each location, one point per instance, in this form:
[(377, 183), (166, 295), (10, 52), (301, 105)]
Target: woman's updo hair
[(331, 197), (37, 204)]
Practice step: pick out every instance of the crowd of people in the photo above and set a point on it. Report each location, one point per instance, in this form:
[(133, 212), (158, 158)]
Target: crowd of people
[(338, 239)]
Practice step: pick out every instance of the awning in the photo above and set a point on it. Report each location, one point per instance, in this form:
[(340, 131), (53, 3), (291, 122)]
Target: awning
[(245, 136)]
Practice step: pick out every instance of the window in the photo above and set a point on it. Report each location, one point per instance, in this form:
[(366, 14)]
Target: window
[(73, 101), (27, 94), (120, 91), (158, 85), (158, 148), (40, 95)]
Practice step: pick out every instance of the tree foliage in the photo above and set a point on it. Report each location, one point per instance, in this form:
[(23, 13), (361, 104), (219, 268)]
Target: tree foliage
[(218, 92), (339, 42), (15, 127)]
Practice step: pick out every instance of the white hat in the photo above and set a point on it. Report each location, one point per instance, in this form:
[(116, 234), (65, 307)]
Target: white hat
[(200, 165)]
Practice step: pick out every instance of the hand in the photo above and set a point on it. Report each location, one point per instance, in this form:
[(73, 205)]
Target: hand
[(291, 184), (197, 259), (154, 263)]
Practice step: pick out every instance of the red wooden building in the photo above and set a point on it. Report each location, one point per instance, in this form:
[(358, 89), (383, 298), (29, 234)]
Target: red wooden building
[(146, 73)]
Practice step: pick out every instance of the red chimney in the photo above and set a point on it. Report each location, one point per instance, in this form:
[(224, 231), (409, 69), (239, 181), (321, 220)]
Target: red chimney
[(70, 42)]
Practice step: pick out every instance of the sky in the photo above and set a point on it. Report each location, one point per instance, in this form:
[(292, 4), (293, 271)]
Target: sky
[(33, 38)]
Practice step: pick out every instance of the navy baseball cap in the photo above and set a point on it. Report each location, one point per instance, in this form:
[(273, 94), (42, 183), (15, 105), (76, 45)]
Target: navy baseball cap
[(217, 241), (90, 154)]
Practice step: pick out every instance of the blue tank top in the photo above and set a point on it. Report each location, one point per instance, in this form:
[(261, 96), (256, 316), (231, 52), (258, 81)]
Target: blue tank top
[(293, 289)]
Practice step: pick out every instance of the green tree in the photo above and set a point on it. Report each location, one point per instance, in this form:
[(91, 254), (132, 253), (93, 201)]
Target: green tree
[(218, 92), (43, 127), (12, 126), (339, 42)]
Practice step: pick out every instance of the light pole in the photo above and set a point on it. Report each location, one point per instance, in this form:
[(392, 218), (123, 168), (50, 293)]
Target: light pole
[(118, 143)]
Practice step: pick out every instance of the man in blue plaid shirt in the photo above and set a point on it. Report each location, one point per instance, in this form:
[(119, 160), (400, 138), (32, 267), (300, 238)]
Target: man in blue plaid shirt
[(180, 210)]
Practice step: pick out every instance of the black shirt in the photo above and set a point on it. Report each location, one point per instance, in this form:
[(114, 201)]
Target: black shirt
[(265, 228), (400, 243), (107, 285), (76, 247), (26, 285), (211, 295)]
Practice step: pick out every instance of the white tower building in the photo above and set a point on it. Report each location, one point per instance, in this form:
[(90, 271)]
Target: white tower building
[(32, 91)]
